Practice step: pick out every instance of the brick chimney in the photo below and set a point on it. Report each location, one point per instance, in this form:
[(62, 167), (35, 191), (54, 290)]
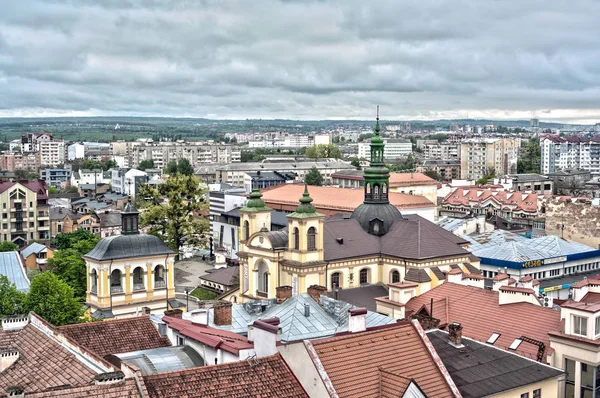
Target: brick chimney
[(176, 313), (283, 293), (455, 334), (222, 313), (357, 320), (315, 291)]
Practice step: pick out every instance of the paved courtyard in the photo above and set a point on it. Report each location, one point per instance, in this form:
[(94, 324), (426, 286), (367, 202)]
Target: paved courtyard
[(186, 275)]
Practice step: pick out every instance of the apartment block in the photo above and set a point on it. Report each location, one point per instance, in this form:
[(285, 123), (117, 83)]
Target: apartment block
[(394, 149), (479, 157), (52, 153), (196, 152), (25, 212), (17, 161), (570, 152), (441, 151)]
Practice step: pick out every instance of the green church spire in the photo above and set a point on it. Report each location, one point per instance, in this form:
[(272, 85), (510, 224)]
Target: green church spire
[(305, 209), (255, 202), (377, 176)]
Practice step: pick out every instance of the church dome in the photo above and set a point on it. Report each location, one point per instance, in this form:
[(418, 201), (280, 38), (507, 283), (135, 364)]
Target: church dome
[(376, 218), (128, 246)]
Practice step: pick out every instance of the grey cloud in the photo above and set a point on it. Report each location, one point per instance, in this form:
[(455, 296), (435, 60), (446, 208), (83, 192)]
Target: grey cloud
[(300, 59)]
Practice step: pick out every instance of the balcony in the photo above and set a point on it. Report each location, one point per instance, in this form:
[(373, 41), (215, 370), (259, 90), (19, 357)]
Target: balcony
[(43, 228)]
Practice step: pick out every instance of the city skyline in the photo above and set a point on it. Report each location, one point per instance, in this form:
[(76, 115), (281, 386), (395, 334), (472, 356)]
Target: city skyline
[(315, 60)]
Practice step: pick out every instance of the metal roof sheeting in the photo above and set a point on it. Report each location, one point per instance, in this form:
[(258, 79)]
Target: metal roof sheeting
[(12, 268)]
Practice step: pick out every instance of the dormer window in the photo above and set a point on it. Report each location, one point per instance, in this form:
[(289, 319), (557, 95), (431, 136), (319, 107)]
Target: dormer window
[(579, 325), (493, 338)]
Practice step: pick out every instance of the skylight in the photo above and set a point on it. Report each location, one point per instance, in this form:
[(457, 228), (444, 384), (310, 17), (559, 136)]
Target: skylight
[(493, 338), (515, 344)]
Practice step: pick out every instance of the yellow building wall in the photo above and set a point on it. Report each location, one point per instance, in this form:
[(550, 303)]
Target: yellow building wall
[(549, 389)]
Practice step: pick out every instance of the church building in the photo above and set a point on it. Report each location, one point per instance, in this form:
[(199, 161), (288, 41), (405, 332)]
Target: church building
[(130, 273), (375, 244)]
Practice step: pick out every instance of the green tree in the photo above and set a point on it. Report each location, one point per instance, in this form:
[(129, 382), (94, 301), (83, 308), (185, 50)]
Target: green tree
[(313, 177), (355, 162), (433, 174), (323, 151), (69, 240), (171, 167), (7, 246), (184, 167), (52, 189), (53, 300), (11, 300), (146, 164), (178, 219)]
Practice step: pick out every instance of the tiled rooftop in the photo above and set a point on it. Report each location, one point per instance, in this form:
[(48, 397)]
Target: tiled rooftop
[(124, 389), (270, 377), (116, 336), (42, 363), (478, 197), (479, 312), (353, 361), (223, 276)]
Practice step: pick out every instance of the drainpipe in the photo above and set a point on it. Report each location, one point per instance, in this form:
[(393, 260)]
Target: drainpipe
[(110, 283), (166, 281)]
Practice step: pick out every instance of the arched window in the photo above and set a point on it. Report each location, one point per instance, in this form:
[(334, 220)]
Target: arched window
[(395, 277), (246, 230), (312, 241), (364, 276), (376, 192), (138, 279), (296, 239), (94, 281), (159, 276), (116, 285), (263, 280), (335, 280)]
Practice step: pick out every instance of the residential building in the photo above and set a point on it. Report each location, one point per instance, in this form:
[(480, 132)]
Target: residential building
[(394, 149), (18, 161), (52, 153), (570, 181), (57, 178), (141, 272), (235, 173), (25, 212), (325, 252), (223, 198), (447, 169), (86, 176), (569, 152), (441, 151), (35, 255), (348, 179), (30, 142), (196, 152), (544, 258), (540, 184), (75, 151), (507, 209), (481, 157), (7, 176), (65, 220), (221, 280), (110, 223), (13, 267), (128, 181), (267, 179), (98, 151)]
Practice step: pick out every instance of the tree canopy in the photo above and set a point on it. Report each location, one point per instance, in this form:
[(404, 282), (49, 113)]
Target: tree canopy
[(323, 151), (181, 166), (53, 300), (146, 164), (173, 211), (7, 246), (313, 177), (68, 240), (12, 301)]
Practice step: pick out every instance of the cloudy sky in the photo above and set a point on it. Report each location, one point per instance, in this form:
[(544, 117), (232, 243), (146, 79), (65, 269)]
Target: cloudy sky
[(302, 59)]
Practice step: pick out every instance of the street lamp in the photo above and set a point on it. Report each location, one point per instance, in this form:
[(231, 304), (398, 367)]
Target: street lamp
[(187, 298)]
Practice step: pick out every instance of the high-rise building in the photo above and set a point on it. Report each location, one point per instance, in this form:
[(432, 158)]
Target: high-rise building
[(25, 212), (394, 149), (569, 152), (52, 153), (481, 157), (163, 152)]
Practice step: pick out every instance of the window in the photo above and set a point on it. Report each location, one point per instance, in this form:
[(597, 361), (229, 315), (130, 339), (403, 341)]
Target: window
[(493, 338), (246, 230), (579, 325), (233, 238), (515, 344), (59, 228), (335, 280), (525, 395), (395, 276), (94, 281), (115, 282), (138, 279), (311, 244), (30, 214), (364, 276), (4, 226), (296, 239)]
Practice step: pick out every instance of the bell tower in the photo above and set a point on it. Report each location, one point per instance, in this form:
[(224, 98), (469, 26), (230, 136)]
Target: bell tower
[(377, 176), (254, 217)]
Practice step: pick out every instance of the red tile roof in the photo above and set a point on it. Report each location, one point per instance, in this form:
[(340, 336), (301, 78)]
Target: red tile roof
[(582, 306), (408, 179), (478, 198), (590, 298), (42, 363), (212, 337), (526, 278), (331, 200), (479, 312), (500, 277), (269, 378), (353, 361), (516, 289), (473, 276), (116, 336), (125, 389)]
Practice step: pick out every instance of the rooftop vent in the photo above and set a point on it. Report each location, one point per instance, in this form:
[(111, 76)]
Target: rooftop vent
[(340, 240), (306, 310)]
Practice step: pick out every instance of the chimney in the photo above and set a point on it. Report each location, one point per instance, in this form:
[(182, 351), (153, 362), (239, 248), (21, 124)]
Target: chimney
[(109, 378), (8, 356), (306, 310), (222, 313), (455, 335), (357, 320), (454, 276), (264, 334), (15, 392), (315, 291), (283, 293), (146, 310), (200, 317), (16, 322), (176, 313)]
